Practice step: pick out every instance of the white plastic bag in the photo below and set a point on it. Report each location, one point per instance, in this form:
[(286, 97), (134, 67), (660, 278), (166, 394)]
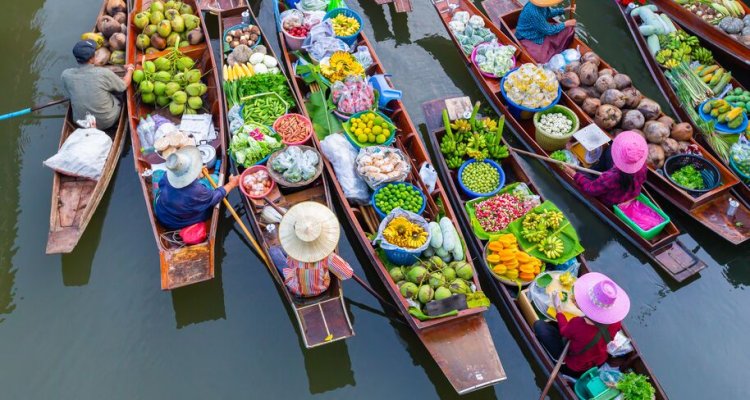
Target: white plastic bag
[(378, 165), (343, 157), (82, 155), (429, 176), (620, 345)]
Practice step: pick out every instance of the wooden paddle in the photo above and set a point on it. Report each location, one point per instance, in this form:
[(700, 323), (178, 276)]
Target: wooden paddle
[(572, 6), (552, 160), (555, 371), (31, 109)]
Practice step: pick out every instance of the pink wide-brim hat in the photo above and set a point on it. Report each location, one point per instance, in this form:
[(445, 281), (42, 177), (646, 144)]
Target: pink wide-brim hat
[(629, 152), (601, 299)]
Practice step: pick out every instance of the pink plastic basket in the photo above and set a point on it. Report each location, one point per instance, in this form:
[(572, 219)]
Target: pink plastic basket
[(300, 117), (486, 74)]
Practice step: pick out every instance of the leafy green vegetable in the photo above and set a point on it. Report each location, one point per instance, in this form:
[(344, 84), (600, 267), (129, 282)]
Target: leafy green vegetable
[(688, 177), (635, 387), (318, 105), (231, 92), (253, 143), (263, 83)]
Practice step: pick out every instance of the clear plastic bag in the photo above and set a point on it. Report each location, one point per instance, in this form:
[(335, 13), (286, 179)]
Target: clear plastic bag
[(556, 63), (740, 155), (292, 18), (146, 131), (83, 154), (362, 54), (352, 95), (378, 165), (429, 176), (321, 42), (461, 16), (235, 119), (312, 5), (476, 21), (620, 345), (313, 18), (343, 157), (412, 217)]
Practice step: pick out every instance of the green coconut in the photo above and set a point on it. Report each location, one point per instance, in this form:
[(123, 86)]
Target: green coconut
[(190, 111), (417, 274), (437, 279), (156, 17), (163, 64), (142, 41), (396, 273), (464, 270), (172, 88), (193, 76), (160, 88), (146, 87), (149, 30), (151, 50), (186, 9), (191, 21), (176, 108), (180, 97), (409, 290), (184, 63), (179, 77), (163, 76), (173, 39), (459, 286), (204, 89), (178, 24), (138, 76), (141, 20), (449, 273), (158, 5), (162, 101), (437, 262), (184, 44), (442, 293), (149, 67), (148, 98), (170, 5), (195, 103), (425, 294)]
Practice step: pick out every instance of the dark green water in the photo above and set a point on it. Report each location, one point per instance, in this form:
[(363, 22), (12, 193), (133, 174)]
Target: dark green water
[(94, 324)]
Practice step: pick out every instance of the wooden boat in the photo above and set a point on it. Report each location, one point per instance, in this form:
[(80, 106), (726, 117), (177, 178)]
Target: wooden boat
[(709, 209), (514, 172), (219, 6), (74, 200), (657, 73), (714, 37), (180, 265), (316, 317), (665, 249), (461, 345)]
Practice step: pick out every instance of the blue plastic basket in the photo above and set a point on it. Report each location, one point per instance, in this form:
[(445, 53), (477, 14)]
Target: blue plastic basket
[(351, 39), (516, 110), (381, 213), (722, 127), (226, 47), (475, 194), (401, 256)]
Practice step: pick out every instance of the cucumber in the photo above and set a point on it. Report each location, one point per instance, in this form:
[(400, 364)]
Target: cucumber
[(653, 44)]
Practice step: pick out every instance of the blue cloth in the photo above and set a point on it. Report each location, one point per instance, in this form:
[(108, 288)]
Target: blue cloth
[(178, 208), (533, 23)]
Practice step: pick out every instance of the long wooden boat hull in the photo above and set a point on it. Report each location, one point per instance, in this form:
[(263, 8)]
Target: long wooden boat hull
[(709, 208), (475, 366), (715, 38), (323, 315), (742, 188), (664, 250), (515, 172), (75, 200), (180, 265), (220, 6)]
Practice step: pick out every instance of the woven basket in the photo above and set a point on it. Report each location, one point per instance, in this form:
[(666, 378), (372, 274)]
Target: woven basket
[(279, 177)]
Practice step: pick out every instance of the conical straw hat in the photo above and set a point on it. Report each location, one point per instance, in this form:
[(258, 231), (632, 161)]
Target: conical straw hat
[(309, 232)]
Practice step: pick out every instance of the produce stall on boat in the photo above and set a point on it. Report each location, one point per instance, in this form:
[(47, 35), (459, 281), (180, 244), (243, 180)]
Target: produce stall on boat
[(176, 84), (279, 146), (525, 241), (75, 198), (681, 170), (660, 242), (394, 203)]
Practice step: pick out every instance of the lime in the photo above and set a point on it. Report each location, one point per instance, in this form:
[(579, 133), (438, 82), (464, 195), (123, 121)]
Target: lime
[(380, 139)]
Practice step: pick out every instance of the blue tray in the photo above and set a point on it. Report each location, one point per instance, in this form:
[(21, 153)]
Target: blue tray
[(723, 127)]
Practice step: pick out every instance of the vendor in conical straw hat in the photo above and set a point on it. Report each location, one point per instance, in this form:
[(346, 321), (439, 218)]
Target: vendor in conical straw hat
[(541, 38), (309, 233), (604, 304)]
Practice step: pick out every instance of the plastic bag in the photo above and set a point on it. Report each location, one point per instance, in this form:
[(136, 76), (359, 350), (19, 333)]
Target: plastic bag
[(620, 345), (571, 55), (352, 95), (321, 42), (643, 216), (312, 5), (343, 158), (494, 58), (476, 21), (429, 176), (412, 217), (378, 165), (235, 119), (461, 16), (292, 18), (529, 199), (194, 234), (362, 54), (740, 155), (313, 18), (146, 130), (556, 63), (83, 154)]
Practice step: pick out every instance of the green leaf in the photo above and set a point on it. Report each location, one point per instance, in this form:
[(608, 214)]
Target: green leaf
[(324, 122)]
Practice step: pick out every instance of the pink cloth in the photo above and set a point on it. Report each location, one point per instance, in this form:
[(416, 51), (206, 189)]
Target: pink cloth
[(641, 214), (552, 45)]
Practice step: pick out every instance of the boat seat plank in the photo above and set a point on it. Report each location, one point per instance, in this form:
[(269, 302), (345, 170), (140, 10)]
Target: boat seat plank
[(334, 319), (187, 265), (73, 198), (680, 262)]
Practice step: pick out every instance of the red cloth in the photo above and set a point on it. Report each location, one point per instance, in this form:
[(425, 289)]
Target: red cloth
[(625, 3), (606, 187), (552, 45), (580, 334)]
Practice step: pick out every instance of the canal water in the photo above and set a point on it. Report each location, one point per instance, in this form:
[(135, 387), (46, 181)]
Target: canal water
[(95, 325)]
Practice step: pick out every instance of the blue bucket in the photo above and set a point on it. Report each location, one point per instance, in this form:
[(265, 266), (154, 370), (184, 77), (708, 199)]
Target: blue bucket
[(472, 194), (351, 39), (381, 213), (517, 110)]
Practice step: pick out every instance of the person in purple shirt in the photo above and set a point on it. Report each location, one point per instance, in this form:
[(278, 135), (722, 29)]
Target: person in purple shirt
[(182, 200)]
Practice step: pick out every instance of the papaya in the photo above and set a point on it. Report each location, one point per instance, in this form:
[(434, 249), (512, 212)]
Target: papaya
[(715, 113), (735, 123), (707, 78), (722, 118), (709, 70), (707, 107), (717, 76), (725, 108)]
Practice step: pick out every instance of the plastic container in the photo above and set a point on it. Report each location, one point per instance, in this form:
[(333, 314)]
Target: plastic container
[(472, 194), (651, 233), (301, 117), (519, 111), (487, 74), (549, 142), (351, 39), (401, 256), (590, 387), (251, 170), (711, 176), (293, 43), (736, 169), (357, 145), (228, 49), (381, 214), (723, 128)]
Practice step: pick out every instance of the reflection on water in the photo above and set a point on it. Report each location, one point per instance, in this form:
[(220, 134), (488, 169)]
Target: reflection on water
[(328, 367)]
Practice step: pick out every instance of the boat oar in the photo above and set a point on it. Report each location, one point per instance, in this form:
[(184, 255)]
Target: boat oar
[(237, 218), (552, 160), (31, 109), (555, 371), (572, 6), (356, 278)]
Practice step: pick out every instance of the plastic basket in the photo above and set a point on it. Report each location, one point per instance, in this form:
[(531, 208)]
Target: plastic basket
[(519, 111), (226, 47), (711, 176), (487, 74), (251, 170), (590, 387), (381, 214), (736, 169), (357, 145), (651, 233), (306, 122), (549, 142), (722, 127), (351, 39), (472, 194)]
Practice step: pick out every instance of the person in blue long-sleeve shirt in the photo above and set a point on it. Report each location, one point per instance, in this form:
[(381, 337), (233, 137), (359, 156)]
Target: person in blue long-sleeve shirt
[(540, 37), (182, 200)]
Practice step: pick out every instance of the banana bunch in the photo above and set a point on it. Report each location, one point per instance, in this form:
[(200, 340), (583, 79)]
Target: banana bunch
[(237, 71), (534, 235), (552, 246), (553, 219), (703, 56)]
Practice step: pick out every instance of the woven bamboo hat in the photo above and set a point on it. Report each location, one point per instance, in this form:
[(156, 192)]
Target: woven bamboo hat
[(309, 232), (545, 3)]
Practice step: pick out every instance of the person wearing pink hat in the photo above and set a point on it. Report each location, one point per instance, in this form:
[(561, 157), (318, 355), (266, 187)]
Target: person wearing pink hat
[(623, 176), (604, 304)]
